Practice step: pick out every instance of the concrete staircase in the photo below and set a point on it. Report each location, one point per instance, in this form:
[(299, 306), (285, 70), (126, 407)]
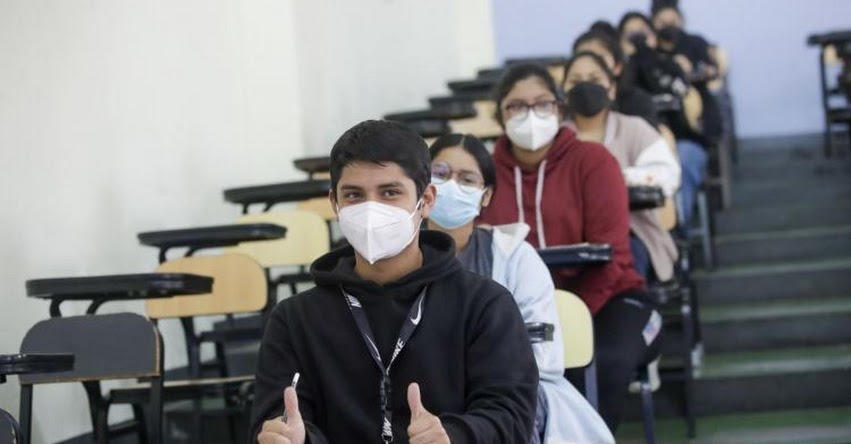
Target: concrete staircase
[(776, 312)]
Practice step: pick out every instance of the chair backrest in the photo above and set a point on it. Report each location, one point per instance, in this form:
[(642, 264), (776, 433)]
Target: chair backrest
[(557, 72), (9, 431), (831, 56), (668, 213), (307, 238), (239, 286), (484, 125), (693, 107), (722, 61), (107, 346), (577, 329), (319, 205)]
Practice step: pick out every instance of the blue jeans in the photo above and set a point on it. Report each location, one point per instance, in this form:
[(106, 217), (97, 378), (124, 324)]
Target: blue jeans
[(640, 257), (693, 159)]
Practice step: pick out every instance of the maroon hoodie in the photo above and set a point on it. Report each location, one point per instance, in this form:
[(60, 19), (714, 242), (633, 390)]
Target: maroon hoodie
[(575, 195)]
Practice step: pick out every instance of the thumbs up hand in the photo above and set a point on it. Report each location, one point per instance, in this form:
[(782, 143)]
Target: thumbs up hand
[(291, 431), (425, 428)]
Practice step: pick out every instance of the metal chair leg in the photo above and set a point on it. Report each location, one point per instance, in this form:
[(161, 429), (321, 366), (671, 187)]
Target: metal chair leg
[(688, 368), (102, 425), (647, 412), (591, 384), (705, 230), (25, 413), (155, 409), (142, 423)]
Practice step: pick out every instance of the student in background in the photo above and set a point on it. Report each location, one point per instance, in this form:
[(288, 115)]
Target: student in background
[(659, 74), (462, 170), (643, 155), (630, 100), (570, 191), (694, 55), (397, 342)]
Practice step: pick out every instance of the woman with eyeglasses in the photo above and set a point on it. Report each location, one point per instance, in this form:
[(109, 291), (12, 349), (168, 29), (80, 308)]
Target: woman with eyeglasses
[(463, 172), (570, 191), (641, 151)]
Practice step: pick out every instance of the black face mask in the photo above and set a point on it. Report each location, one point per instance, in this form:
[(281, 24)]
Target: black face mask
[(670, 33), (587, 99), (637, 38)]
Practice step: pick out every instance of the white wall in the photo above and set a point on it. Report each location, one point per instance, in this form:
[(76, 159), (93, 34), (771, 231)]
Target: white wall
[(774, 75), (119, 116), (362, 59)]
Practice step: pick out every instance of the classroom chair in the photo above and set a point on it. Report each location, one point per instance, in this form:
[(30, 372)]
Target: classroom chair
[(308, 238), (105, 347), (577, 333)]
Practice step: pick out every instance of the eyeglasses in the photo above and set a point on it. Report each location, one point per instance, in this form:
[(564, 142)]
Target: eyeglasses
[(469, 181), (543, 108)]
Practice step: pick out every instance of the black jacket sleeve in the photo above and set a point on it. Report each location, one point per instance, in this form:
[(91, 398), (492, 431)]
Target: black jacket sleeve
[(502, 377), (276, 365)]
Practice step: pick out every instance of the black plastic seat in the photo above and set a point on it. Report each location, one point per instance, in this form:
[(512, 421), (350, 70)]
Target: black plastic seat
[(666, 103), (645, 198), (450, 111), (272, 194), (577, 255), (490, 73), (546, 61), (101, 289), (829, 38), (480, 85), (105, 347), (313, 165), (459, 97), (21, 364), (195, 239), (540, 332), (429, 128)]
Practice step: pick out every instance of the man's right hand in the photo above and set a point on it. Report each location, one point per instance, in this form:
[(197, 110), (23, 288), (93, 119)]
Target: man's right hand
[(276, 431)]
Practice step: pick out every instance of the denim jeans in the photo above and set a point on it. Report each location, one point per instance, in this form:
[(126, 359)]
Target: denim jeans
[(693, 159)]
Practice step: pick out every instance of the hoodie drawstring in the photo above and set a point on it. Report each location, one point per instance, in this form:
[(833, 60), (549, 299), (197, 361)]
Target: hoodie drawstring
[(539, 194), (518, 193)]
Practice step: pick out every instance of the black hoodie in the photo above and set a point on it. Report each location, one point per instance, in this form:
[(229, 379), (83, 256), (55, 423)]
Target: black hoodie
[(470, 354)]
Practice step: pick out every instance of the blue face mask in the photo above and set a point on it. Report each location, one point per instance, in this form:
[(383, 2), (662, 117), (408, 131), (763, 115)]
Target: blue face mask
[(454, 206)]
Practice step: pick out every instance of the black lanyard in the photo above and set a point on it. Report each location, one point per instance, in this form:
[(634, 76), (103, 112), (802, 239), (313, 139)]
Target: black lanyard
[(407, 330)]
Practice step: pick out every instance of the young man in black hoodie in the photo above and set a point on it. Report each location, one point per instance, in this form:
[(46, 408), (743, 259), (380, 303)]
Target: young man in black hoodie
[(396, 342)]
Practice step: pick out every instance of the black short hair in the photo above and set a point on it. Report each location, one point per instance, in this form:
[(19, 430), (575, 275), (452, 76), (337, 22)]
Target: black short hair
[(605, 27), (517, 73), (596, 58), (382, 142), (472, 145), (660, 5), (634, 15), (612, 45)]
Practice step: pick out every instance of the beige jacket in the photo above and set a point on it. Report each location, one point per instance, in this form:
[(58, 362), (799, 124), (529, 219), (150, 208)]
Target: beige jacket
[(645, 159)]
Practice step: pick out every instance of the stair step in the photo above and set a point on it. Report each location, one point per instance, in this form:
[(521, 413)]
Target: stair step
[(763, 282), (792, 378), (744, 174), (783, 245), (775, 310), (811, 426), (783, 216), (793, 323), (776, 362), (794, 191)]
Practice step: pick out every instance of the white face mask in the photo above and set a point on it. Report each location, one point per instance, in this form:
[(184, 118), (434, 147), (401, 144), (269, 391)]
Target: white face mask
[(531, 132), (376, 230)]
